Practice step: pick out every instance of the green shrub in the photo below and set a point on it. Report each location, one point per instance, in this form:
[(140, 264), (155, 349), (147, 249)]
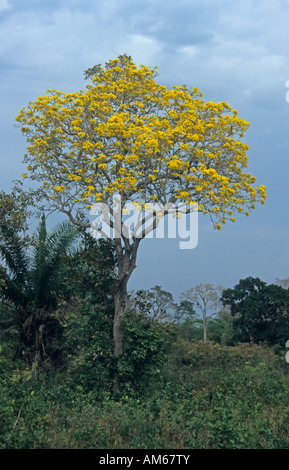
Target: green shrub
[(145, 349)]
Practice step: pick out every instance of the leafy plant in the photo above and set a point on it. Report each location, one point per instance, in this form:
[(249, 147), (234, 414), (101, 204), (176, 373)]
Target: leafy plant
[(31, 282)]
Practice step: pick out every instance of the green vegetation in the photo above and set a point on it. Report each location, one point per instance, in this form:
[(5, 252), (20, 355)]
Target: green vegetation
[(177, 390), (201, 396)]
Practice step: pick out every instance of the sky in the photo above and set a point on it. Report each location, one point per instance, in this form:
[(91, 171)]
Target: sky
[(235, 52)]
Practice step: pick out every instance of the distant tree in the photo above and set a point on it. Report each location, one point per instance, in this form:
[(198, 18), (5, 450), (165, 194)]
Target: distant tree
[(31, 280), (260, 311), (185, 310), (156, 303), (283, 283), (127, 134), (206, 298), (16, 207)]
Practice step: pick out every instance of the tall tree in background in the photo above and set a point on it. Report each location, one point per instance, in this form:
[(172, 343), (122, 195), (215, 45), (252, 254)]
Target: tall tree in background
[(127, 134), (206, 298)]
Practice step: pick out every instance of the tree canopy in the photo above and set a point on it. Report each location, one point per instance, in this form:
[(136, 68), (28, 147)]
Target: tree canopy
[(260, 311), (206, 298), (125, 133)]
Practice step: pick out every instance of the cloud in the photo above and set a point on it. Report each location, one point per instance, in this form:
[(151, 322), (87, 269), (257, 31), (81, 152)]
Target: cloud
[(143, 49), (190, 51), (4, 5), (237, 44)]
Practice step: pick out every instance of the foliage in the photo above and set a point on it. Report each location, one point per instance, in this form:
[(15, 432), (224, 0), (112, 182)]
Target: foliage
[(87, 349), (145, 347), (219, 330), (260, 311), (156, 303), (30, 285), (206, 396), (15, 209), (91, 270), (185, 310), (176, 391)]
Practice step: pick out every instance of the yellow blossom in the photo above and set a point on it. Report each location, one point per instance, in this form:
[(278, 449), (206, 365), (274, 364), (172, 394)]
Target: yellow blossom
[(126, 133)]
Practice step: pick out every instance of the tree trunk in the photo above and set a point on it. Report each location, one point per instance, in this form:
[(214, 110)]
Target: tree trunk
[(120, 294), (205, 324), (126, 258), (119, 309)]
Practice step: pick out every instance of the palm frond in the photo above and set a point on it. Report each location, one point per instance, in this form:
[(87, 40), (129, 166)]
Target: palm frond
[(14, 257), (47, 266)]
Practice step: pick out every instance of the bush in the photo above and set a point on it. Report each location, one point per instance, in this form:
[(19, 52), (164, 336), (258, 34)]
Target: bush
[(146, 344)]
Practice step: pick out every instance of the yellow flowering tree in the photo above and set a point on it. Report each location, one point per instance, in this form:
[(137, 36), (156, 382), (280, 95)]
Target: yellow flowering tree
[(127, 134)]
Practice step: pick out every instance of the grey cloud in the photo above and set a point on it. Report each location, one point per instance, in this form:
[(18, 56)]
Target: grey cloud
[(173, 24)]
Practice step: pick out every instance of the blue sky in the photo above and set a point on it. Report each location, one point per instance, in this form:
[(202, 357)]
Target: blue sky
[(232, 51)]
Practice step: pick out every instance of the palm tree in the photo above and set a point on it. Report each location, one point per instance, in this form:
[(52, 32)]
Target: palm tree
[(31, 284)]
